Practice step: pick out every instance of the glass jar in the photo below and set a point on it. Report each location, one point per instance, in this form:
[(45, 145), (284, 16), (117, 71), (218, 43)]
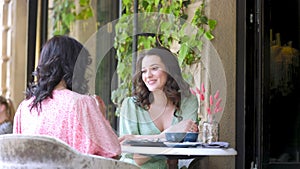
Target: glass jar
[(210, 132)]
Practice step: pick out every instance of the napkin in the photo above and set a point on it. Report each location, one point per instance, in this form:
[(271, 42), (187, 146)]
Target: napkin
[(217, 144)]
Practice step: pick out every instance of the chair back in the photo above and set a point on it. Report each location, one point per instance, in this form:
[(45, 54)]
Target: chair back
[(35, 151)]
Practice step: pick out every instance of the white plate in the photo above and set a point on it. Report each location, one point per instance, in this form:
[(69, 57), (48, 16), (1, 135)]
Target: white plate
[(182, 145)]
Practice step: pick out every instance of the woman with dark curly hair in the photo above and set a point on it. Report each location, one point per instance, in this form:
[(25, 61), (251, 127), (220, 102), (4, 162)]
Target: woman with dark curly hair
[(56, 104), (161, 102)]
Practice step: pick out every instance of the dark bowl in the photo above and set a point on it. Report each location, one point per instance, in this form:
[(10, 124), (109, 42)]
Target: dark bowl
[(175, 136), (191, 137)]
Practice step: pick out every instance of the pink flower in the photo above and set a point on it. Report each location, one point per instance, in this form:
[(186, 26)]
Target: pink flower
[(208, 110), (198, 90), (202, 97), (203, 88), (214, 101), (218, 102), (211, 100), (217, 94), (193, 92), (218, 109)]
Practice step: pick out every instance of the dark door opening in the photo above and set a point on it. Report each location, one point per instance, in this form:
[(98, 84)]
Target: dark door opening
[(268, 84), (271, 84), (282, 98)]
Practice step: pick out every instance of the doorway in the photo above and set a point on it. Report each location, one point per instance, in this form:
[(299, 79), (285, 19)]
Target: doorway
[(282, 72), (268, 84)]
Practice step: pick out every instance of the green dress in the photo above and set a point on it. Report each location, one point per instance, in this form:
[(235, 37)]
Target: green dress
[(137, 121)]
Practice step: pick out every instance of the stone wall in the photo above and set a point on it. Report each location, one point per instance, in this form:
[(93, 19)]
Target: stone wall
[(14, 49)]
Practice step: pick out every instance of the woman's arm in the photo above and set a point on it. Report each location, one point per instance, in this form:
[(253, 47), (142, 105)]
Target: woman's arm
[(93, 132), (100, 104), (129, 127)]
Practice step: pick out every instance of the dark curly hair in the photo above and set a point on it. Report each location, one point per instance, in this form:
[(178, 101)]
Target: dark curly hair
[(175, 87), (58, 59)]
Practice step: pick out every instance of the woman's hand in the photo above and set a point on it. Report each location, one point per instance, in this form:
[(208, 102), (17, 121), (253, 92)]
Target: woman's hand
[(135, 137), (127, 137)]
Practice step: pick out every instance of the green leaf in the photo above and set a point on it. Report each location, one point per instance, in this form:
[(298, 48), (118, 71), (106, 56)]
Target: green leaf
[(182, 53), (64, 14), (127, 2), (121, 67), (209, 36), (203, 19), (199, 46), (212, 24), (84, 3), (68, 19), (185, 39), (144, 4), (85, 14), (193, 43), (165, 26), (200, 32)]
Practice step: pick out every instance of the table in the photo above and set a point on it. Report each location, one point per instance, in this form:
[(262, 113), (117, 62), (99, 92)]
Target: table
[(178, 153)]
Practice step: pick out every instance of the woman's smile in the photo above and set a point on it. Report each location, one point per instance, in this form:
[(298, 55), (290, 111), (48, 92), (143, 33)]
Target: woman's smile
[(153, 73)]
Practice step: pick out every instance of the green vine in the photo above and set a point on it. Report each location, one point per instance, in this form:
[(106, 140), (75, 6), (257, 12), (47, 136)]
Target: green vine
[(65, 14), (190, 45)]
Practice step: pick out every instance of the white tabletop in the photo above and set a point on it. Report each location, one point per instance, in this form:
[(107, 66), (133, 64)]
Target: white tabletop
[(196, 151)]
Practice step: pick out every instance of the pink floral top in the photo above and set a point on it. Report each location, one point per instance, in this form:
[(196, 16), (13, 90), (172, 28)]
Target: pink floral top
[(73, 118)]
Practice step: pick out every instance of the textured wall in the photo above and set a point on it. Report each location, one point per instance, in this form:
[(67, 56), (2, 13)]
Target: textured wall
[(14, 49), (225, 43)]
